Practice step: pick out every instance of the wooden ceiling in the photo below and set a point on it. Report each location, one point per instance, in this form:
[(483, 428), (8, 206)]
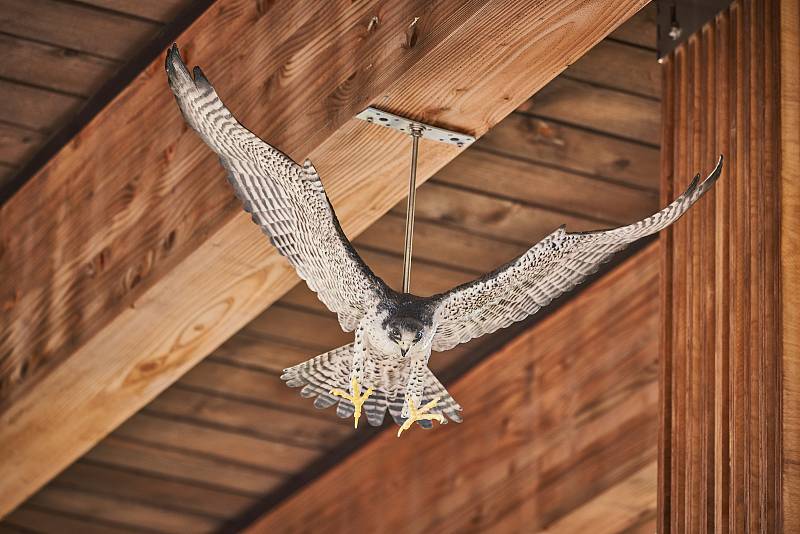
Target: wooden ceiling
[(229, 438), (58, 56)]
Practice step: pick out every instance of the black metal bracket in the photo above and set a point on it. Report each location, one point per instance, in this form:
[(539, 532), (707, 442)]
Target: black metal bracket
[(679, 19)]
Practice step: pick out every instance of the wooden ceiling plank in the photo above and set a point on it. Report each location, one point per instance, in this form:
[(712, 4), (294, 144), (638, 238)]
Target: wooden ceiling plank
[(533, 424), (158, 10), (259, 353), (164, 287), (53, 67), (30, 518), (620, 66), (544, 185), (604, 110), (160, 493), (244, 450), (493, 216), (453, 247), (157, 460), (250, 419), (34, 108), (17, 143), (100, 33), (135, 515), (640, 30), (574, 149)]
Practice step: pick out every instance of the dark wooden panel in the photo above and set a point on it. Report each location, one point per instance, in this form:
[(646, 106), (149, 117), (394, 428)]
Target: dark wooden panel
[(163, 493), (721, 444), (246, 450), (35, 108), (53, 67), (133, 514), (31, 519), (605, 110), (543, 185), (6, 173), (561, 414), (640, 29), (619, 66), (71, 25), (260, 420), (159, 460), (160, 10), (445, 245), (574, 149), (17, 144)]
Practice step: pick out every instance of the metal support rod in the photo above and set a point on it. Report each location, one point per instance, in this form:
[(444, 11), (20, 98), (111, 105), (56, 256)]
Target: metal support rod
[(416, 133)]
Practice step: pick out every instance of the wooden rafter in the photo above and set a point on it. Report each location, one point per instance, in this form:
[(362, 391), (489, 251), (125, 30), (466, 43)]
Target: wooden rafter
[(129, 258)]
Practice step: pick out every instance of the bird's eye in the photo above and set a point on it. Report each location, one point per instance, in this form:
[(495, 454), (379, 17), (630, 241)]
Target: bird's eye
[(418, 337), (394, 334)]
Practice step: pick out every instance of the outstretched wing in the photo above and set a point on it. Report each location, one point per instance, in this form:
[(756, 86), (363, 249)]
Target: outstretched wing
[(546, 271), (286, 200)]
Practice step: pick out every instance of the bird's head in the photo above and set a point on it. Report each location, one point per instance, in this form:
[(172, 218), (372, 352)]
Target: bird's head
[(405, 332)]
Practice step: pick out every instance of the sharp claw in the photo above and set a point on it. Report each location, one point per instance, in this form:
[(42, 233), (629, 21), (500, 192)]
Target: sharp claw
[(419, 414), (356, 398)]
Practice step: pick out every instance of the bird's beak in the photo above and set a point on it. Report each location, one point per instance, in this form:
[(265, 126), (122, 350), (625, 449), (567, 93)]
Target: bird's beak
[(404, 346), (403, 351)]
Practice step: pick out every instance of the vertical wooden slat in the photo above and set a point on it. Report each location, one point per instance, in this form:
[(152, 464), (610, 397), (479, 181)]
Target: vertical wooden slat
[(721, 458), (789, 43)]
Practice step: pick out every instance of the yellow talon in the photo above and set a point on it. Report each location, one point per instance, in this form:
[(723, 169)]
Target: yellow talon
[(356, 398), (420, 414)]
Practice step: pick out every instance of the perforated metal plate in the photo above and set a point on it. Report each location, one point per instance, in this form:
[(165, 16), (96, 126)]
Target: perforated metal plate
[(402, 124)]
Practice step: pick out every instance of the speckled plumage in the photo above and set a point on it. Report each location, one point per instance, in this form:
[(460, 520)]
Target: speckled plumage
[(394, 333)]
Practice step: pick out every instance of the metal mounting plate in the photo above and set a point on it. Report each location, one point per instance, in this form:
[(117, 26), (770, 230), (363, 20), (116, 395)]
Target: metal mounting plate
[(404, 125)]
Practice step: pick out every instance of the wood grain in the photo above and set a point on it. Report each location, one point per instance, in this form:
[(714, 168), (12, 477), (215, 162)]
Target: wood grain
[(619, 66), (640, 30), (53, 67), (17, 143), (101, 33), (34, 108), (574, 149), (561, 414), (600, 109), (629, 506), (159, 10), (789, 257), (164, 287), (721, 442), (542, 185)]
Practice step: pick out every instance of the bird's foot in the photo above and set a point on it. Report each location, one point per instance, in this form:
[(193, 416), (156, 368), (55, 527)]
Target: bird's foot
[(420, 414), (356, 398)]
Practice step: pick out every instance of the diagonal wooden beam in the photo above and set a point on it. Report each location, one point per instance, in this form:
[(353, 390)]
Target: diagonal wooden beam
[(564, 412), (126, 259)]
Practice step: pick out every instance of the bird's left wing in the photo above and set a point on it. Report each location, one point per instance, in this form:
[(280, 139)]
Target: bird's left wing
[(546, 271), (285, 199)]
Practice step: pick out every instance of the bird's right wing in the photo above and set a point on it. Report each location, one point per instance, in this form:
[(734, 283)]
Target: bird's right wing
[(546, 271), (286, 200)]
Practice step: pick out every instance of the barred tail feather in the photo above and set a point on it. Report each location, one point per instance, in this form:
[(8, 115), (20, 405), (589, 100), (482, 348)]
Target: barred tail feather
[(331, 370)]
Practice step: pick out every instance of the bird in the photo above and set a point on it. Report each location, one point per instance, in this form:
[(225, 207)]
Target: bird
[(385, 368)]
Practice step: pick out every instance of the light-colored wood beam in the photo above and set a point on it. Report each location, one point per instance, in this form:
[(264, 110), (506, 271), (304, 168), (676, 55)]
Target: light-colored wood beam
[(561, 414), (126, 260)]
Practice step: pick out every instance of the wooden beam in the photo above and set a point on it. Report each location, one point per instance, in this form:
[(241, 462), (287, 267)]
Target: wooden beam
[(131, 260), (730, 351), (561, 414)]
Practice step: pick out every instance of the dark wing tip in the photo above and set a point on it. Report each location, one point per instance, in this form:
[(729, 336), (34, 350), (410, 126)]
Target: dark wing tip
[(199, 77)]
